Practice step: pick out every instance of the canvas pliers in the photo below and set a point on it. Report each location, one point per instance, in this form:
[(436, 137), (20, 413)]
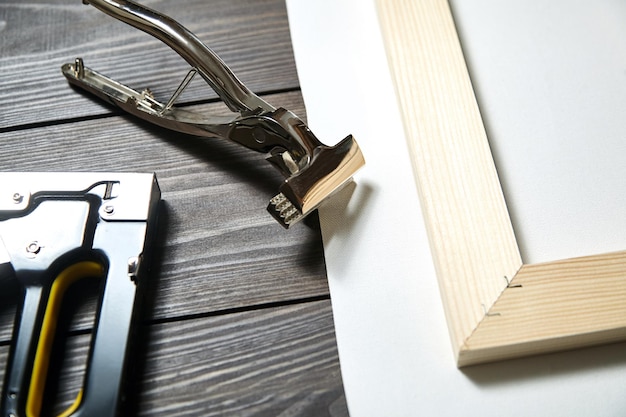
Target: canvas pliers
[(312, 170)]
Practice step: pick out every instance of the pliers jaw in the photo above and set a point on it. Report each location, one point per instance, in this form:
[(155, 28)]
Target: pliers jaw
[(313, 171), (327, 172)]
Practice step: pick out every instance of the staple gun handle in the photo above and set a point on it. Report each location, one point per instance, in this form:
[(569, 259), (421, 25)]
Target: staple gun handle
[(35, 333), (214, 71)]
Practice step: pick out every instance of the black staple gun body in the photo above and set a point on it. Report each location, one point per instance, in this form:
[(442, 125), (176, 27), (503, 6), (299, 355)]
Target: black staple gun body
[(55, 229)]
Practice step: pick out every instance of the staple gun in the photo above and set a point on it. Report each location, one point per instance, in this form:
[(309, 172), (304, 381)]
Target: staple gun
[(313, 171), (56, 229)]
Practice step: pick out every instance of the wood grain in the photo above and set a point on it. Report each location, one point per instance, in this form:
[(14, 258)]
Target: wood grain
[(238, 320), (468, 223), (275, 362), (554, 306), (497, 308)]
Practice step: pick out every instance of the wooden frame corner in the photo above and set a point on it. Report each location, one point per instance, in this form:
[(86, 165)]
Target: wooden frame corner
[(497, 307)]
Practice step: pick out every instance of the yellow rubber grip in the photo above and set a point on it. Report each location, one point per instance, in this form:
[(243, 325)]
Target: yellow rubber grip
[(63, 281)]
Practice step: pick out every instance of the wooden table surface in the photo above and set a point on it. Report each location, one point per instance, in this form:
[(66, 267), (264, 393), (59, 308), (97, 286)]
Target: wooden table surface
[(239, 320)]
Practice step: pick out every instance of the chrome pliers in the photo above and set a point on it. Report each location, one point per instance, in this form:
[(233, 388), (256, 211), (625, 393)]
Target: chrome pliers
[(313, 171)]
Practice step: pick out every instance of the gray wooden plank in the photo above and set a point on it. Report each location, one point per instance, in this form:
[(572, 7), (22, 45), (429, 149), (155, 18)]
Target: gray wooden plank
[(252, 37), (232, 324), (217, 248), (271, 362)]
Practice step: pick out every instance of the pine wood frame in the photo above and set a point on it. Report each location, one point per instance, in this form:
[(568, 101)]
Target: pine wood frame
[(497, 307)]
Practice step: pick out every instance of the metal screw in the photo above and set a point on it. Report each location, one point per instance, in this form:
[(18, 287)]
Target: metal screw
[(258, 134), (17, 198), (33, 248), (109, 209)]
